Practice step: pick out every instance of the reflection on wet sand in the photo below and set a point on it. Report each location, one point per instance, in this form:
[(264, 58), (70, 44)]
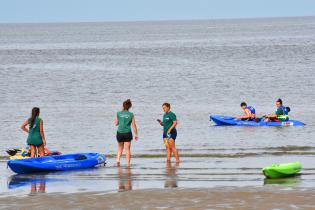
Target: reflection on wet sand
[(37, 182), (33, 183), (286, 182), (171, 177), (124, 179), (41, 188)]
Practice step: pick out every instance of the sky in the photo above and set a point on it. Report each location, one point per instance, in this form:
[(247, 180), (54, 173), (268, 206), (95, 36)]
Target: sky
[(12, 11)]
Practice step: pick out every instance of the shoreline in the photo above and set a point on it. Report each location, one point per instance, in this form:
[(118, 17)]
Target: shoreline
[(180, 198)]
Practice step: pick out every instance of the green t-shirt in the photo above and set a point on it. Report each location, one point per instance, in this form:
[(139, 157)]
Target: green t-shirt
[(168, 119), (124, 121)]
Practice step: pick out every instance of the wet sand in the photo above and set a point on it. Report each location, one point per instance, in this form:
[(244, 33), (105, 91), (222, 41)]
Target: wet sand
[(210, 198)]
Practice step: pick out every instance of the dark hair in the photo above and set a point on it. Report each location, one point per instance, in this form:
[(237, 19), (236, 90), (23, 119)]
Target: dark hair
[(243, 104), (279, 100), (35, 113), (167, 105), (127, 105)]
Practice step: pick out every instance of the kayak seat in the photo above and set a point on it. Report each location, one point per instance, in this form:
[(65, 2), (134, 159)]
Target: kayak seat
[(80, 157)]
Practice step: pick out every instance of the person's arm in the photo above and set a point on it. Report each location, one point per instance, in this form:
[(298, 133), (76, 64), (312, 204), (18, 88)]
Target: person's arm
[(41, 130), (246, 116), (160, 122), (134, 127), (271, 115), (172, 127), (23, 126), (116, 121)]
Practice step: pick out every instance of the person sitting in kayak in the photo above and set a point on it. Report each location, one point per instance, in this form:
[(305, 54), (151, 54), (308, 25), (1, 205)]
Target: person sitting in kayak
[(250, 112), (281, 113)]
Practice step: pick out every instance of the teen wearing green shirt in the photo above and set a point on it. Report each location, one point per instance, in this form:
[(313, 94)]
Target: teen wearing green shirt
[(169, 132), (36, 137), (125, 120)]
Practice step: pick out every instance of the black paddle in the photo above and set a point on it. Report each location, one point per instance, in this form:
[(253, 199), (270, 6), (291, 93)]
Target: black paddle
[(13, 152)]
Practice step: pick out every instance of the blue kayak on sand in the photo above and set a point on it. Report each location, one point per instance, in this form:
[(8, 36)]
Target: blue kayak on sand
[(56, 163), (222, 120)]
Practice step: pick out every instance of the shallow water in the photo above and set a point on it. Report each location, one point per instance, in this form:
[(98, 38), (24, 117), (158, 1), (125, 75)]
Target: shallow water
[(79, 74), (201, 172)]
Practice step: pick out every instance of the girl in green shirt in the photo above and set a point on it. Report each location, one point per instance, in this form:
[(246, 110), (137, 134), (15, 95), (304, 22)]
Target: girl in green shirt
[(36, 137), (169, 132), (124, 121)]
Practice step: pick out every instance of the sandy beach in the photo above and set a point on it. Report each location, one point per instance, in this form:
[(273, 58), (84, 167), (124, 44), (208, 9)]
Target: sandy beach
[(215, 198)]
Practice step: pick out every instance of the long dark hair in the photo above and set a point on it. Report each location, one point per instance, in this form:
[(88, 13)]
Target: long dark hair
[(127, 105), (35, 113)]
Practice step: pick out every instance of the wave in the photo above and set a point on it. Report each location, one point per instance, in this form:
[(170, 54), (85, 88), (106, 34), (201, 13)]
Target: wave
[(223, 153), (281, 148), (4, 158)]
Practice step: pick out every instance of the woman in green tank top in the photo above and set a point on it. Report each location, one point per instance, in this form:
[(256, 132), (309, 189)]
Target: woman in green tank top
[(124, 121), (36, 138)]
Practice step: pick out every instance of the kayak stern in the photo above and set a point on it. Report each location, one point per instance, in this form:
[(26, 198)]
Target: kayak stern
[(282, 170)]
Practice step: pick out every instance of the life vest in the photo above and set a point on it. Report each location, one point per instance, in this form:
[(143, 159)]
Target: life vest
[(252, 110), (25, 151), (285, 116)]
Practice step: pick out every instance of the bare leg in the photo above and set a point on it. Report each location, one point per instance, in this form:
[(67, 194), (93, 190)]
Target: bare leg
[(119, 152), (41, 150), (168, 150), (173, 149), (270, 119), (33, 150), (128, 154)]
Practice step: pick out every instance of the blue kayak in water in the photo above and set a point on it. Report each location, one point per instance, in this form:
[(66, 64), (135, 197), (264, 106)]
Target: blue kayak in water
[(56, 163), (228, 120)]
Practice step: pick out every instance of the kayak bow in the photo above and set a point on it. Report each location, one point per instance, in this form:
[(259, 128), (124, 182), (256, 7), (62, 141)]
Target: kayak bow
[(282, 170)]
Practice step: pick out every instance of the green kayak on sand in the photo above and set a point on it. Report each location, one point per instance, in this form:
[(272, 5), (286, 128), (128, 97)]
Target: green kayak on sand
[(282, 170)]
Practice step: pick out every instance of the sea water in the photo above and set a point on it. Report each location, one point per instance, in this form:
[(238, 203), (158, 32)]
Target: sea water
[(80, 73)]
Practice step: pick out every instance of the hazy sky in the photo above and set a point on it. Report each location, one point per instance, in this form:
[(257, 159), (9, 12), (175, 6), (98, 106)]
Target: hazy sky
[(128, 10)]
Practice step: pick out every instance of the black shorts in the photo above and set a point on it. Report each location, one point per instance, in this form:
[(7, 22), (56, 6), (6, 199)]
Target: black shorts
[(124, 137)]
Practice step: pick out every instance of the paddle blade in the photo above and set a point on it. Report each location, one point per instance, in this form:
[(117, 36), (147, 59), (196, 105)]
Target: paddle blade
[(13, 152)]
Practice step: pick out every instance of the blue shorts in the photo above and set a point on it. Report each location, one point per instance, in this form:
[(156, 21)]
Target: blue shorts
[(173, 134)]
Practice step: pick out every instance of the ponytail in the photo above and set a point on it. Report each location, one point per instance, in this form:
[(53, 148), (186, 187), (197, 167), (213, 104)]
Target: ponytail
[(35, 113)]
